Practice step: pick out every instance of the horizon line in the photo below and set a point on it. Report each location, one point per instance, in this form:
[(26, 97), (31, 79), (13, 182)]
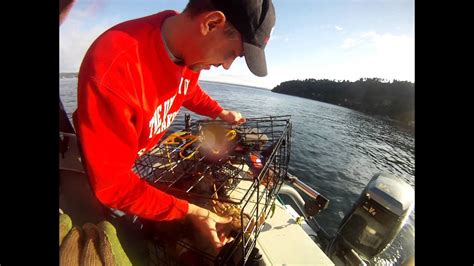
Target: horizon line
[(263, 88)]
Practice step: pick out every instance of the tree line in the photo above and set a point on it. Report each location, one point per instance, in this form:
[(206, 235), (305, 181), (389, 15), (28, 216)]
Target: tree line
[(394, 99)]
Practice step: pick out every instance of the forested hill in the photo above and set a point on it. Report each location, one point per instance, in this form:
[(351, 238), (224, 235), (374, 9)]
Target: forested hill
[(395, 99)]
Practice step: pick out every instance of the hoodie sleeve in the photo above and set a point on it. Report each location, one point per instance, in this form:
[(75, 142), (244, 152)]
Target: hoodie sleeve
[(106, 126), (199, 102)]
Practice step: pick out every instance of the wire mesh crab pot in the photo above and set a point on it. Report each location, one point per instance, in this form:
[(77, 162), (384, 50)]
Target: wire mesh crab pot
[(233, 171)]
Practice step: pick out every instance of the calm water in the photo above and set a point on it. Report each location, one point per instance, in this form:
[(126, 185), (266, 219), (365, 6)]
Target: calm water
[(335, 150)]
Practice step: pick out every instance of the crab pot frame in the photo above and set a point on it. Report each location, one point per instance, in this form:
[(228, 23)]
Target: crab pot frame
[(241, 171)]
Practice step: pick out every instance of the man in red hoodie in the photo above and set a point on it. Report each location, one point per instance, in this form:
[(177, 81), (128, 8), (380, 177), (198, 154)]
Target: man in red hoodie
[(133, 81)]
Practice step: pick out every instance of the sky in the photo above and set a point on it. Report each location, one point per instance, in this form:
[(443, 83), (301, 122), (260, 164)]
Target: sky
[(320, 39)]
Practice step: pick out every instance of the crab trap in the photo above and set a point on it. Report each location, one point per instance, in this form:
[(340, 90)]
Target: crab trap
[(233, 171)]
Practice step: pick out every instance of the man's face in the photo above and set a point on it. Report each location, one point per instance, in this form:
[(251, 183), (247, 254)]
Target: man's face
[(218, 48)]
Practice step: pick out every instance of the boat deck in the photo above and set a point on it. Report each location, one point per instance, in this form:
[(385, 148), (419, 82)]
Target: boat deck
[(282, 240)]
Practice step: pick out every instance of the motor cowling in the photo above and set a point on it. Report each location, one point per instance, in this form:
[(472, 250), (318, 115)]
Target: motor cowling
[(374, 221)]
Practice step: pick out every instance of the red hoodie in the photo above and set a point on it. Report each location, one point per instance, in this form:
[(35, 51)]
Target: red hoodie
[(129, 92)]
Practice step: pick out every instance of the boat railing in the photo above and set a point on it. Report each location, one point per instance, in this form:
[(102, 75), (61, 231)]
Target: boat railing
[(315, 203)]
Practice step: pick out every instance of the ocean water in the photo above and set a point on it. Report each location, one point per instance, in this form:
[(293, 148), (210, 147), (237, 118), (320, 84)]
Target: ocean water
[(335, 150)]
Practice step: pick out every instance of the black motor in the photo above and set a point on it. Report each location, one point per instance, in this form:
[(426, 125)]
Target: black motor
[(374, 221)]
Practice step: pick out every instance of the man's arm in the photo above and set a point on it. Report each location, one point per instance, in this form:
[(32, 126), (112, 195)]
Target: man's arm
[(198, 101), (107, 133), (107, 129), (201, 103)]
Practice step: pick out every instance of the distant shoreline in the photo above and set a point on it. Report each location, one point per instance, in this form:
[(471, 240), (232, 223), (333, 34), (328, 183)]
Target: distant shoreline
[(63, 75), (394, 100), (74, 75), (234, 84)]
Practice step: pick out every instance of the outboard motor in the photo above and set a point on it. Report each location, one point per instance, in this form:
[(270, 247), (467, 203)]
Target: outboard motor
[(374, 221)]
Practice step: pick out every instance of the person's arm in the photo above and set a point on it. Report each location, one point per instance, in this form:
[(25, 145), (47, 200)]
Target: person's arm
[(107, 126), (201, 103), (107, 130), (198, 101)]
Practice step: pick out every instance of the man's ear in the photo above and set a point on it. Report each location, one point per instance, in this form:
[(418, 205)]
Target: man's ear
[(211, 21)]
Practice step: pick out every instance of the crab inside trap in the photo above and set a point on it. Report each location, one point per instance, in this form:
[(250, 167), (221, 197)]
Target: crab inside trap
[(234, 171)]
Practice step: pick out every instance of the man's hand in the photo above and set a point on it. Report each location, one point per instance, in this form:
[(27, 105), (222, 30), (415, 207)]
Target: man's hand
[(232, 117), (210, 225)]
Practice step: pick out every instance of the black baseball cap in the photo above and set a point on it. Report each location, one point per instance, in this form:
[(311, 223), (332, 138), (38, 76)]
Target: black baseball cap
[(254, 19)]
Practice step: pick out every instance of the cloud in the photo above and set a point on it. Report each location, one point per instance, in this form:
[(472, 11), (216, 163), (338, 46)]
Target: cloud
[(275, 37), (330, 27), (348, 43), (240, 74), (391, 47), (76, 36), (384, 55), (371, 54)]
